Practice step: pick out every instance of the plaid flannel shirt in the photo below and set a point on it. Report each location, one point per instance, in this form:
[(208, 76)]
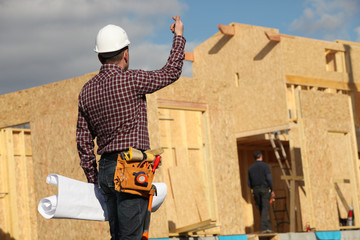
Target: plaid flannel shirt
[(112, 108)]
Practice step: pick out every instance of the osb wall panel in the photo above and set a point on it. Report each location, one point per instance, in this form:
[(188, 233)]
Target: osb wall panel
[(321, 198), (52, 113), (306, 57), (340, 157), (224, 155), (333, 107), (15, 108), (253, 70), (327, 144), (159, 221)]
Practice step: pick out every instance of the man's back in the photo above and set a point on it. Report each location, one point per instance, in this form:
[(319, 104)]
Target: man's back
[(257, 174), (115, 110)]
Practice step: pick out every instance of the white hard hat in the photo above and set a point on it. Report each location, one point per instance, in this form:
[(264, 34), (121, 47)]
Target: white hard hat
[(111, 38)]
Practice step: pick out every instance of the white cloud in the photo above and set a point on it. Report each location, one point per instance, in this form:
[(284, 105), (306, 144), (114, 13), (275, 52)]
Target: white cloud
[(44, 41), (327, 19)]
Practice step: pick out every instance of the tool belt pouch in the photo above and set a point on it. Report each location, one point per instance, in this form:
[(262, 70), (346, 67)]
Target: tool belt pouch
[(135, 177)]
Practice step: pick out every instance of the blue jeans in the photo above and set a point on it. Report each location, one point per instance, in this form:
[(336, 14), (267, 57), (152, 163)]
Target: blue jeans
[(126, 212)]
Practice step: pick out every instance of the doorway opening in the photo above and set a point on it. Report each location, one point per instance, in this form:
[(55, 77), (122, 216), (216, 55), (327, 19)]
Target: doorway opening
[(279, 210)]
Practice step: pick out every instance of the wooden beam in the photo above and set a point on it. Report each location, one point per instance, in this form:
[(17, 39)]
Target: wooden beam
[(226, 29), (323, 83), (197, 226), (189, 56), (276, 37), (273, 37), (265, 130), (182, 105)]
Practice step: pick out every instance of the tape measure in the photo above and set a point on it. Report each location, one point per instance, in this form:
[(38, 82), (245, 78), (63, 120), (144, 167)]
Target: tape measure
[(141, 179)]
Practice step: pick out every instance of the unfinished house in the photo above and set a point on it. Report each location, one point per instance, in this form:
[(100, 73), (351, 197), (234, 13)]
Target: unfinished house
[(253, 88)]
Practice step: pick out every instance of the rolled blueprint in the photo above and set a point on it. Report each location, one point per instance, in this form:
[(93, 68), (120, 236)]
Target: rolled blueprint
[(81, 200)]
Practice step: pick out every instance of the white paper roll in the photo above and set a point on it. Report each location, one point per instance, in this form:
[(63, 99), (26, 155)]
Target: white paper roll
[(80, 200)]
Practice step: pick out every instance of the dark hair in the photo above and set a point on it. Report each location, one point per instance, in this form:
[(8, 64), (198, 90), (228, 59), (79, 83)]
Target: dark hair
[(112, 57), (257, 154)]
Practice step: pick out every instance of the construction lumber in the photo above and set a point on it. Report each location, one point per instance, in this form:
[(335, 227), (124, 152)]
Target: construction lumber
[(276, 37), (16, 171), (226, 29), (265, 130), (323, 83), (197, 226), (189, 56), (273, 37), (167, 104)]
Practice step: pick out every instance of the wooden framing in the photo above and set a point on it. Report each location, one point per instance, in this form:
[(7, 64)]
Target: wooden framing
[(197, 227), (189, 56), (17, 205), (323, 83), (226, 29), (276, 37)]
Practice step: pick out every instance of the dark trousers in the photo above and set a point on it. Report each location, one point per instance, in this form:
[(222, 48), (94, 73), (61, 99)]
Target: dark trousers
[(262, 197), (126, 212)]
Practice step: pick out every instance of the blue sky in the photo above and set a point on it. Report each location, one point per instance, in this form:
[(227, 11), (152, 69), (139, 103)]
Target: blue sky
[(45, 41)]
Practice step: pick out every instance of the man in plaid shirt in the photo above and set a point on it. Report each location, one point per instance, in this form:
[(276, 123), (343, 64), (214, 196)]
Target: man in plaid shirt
[(112, 109)]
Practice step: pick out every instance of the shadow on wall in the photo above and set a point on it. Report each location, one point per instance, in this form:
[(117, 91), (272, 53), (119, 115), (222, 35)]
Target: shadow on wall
[(265, 51), (172, 226), (5, 236), (220, 44)]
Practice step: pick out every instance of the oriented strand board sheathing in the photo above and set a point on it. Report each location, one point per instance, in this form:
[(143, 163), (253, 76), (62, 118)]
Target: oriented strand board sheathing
[(259, 70), (226, 174), (320, 173), (184, 196), (333, 107), (326, 119), (307, 57), (55, 152), (159, 222), (340, 156)]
